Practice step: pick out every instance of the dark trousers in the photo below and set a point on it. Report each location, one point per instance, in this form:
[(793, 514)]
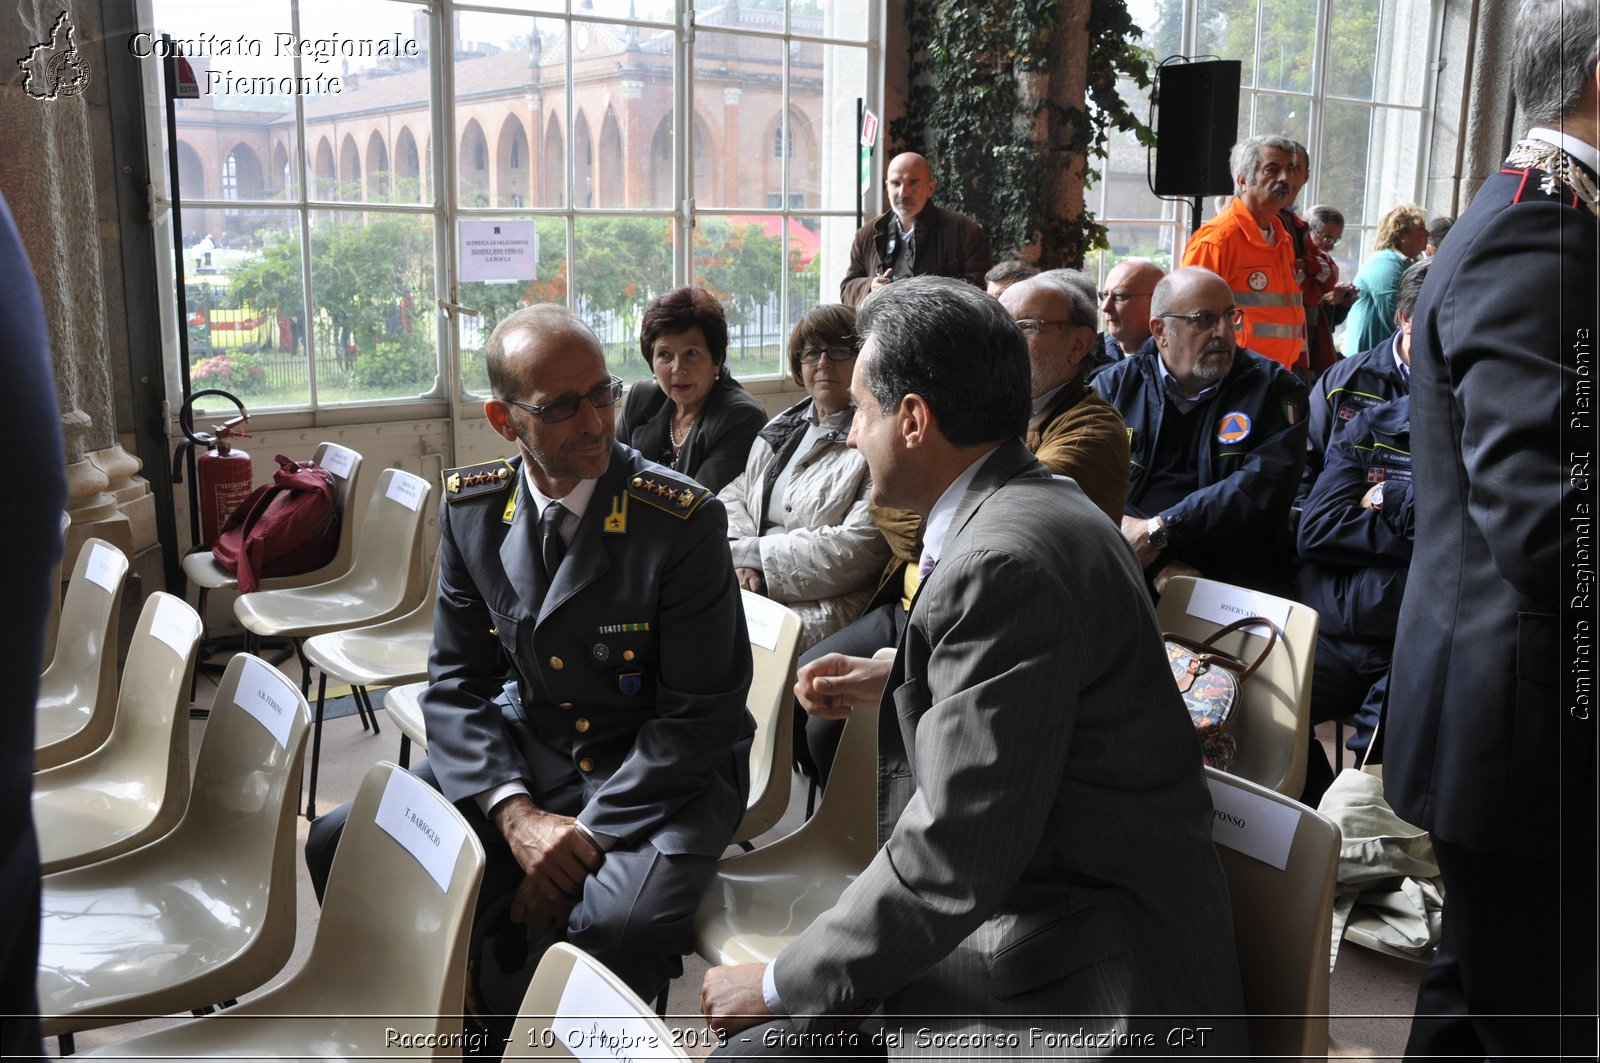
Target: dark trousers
[(1349, 678), (1496, 980), (636, 915), (816, 740)]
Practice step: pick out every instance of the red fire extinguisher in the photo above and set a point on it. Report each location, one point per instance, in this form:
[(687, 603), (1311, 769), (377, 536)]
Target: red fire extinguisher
[(222, 474)]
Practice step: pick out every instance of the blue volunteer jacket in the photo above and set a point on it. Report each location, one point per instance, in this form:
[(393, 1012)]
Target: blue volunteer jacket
[(1356, 558), (1349, 386)]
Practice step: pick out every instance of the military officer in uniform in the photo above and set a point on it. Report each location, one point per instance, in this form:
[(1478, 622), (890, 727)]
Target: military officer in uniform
[(587, 681)]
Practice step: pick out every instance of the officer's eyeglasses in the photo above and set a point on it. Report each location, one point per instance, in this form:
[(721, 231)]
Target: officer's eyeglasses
[(1029, 326), (836, 352), (566, 409), (1206, 320), (1120, 298)]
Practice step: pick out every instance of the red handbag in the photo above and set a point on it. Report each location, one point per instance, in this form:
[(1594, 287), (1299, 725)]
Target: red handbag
[(1209, 680), (284, 528)]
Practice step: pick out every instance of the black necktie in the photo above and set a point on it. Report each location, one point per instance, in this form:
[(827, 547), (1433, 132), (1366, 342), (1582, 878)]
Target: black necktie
[(552, 549)]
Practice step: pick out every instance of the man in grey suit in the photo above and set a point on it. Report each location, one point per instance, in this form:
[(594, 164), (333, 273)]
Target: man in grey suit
[(1046, 881), (601, 586)]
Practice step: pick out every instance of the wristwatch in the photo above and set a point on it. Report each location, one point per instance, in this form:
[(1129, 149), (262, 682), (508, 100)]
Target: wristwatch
[(1156, 534)]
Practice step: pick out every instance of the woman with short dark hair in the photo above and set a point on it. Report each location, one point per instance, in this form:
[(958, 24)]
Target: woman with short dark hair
[(798, 521), (694, 417)]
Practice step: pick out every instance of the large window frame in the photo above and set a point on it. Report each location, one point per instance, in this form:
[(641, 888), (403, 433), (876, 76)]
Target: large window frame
[(1383, 188), (310, 199)]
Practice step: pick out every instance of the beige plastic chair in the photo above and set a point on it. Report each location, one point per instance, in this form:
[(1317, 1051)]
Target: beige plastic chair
[(1283, 926), (405, 712), (132, 789), (771, 702), (395, 651), (207, 912), (78, 691), (598, 1005), (760, 901), (382, 975), (384, 581), (1272, 722), (202, 570)]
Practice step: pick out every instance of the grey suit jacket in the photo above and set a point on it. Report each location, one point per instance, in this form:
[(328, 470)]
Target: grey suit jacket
[(1045, 824), (632, 668)]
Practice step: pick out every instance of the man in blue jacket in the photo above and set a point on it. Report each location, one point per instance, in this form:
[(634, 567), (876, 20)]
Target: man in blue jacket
[(1217, 437)]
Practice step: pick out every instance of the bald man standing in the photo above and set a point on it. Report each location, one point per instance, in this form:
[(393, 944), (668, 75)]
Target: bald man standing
[(914, 238)]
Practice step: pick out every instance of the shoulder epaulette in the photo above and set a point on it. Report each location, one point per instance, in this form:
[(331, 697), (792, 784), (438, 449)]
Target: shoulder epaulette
[(668, 493), (482, 478)]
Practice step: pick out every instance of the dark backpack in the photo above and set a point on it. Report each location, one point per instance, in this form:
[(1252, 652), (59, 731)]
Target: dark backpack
[(284, 528)]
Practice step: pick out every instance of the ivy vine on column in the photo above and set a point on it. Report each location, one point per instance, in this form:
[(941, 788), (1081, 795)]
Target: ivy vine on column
[(1013, 144)]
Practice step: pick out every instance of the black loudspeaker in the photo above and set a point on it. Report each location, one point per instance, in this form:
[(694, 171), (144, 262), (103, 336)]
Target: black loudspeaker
[(1196, 123)]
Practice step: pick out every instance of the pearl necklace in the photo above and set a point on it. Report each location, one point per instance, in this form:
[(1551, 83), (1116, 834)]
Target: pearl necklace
[(672, 434)]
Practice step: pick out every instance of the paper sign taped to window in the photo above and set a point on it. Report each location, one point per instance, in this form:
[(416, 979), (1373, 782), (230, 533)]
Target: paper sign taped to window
[(498, 250), (407, 490), (105, 568), (265, 694), (412, 815), (339, 460), (1222, 603), (599, 1025), (1251, 824), (175, 624)]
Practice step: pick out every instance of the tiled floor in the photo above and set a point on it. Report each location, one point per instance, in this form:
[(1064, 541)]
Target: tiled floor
[(1370, 998)]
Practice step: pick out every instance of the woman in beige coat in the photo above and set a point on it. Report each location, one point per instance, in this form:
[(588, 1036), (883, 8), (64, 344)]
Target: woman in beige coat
[(797, 516)]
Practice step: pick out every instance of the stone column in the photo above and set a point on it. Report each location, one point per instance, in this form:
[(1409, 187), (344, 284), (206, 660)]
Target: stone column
[(51, 109)]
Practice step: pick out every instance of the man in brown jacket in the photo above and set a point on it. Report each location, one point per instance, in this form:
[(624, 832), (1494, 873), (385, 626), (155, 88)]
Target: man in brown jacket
[(1073, 432), (913, 237)]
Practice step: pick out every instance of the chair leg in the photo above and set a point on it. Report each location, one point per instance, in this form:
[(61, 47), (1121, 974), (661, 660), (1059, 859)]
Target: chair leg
[(364, 708), (200, 603), (316, 749), (252, 643), (661, 1001), (405, 751), (811, 798), (65, 1045), (1338, 746), (305, 668)]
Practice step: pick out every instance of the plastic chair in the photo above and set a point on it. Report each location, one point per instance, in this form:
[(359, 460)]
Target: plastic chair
[(78, 691), (202, 570), (1272, 722), (572, 991), (383, 581), (383, 979), (1283, 927), (133, 788), (405, 712), (207, 912), (395, 651), (761, 900), (771, 702)]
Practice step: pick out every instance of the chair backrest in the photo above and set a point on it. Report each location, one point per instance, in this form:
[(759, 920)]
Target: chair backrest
[(53, 621), (345, 465), (1282, 917), (847, 813), (237, 838), (392, 940), (149, 740), (1272, 723), (774, 647), (386, 571), (576, 1007), (83, 670)]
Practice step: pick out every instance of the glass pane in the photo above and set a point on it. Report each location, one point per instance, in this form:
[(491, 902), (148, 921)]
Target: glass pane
[(738, 99), (245, 304), (621, 263), (1401, 71), (823, 152), (841, 19), (1286, 115), (1288, 37), (1162, 24), (1352, 45), (1227, 29), (741, 261), (495, 299), (806, 287), (1134, 240), (237, 140), (510, 77), (648, 10), (373, 328), (1342, 164)]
